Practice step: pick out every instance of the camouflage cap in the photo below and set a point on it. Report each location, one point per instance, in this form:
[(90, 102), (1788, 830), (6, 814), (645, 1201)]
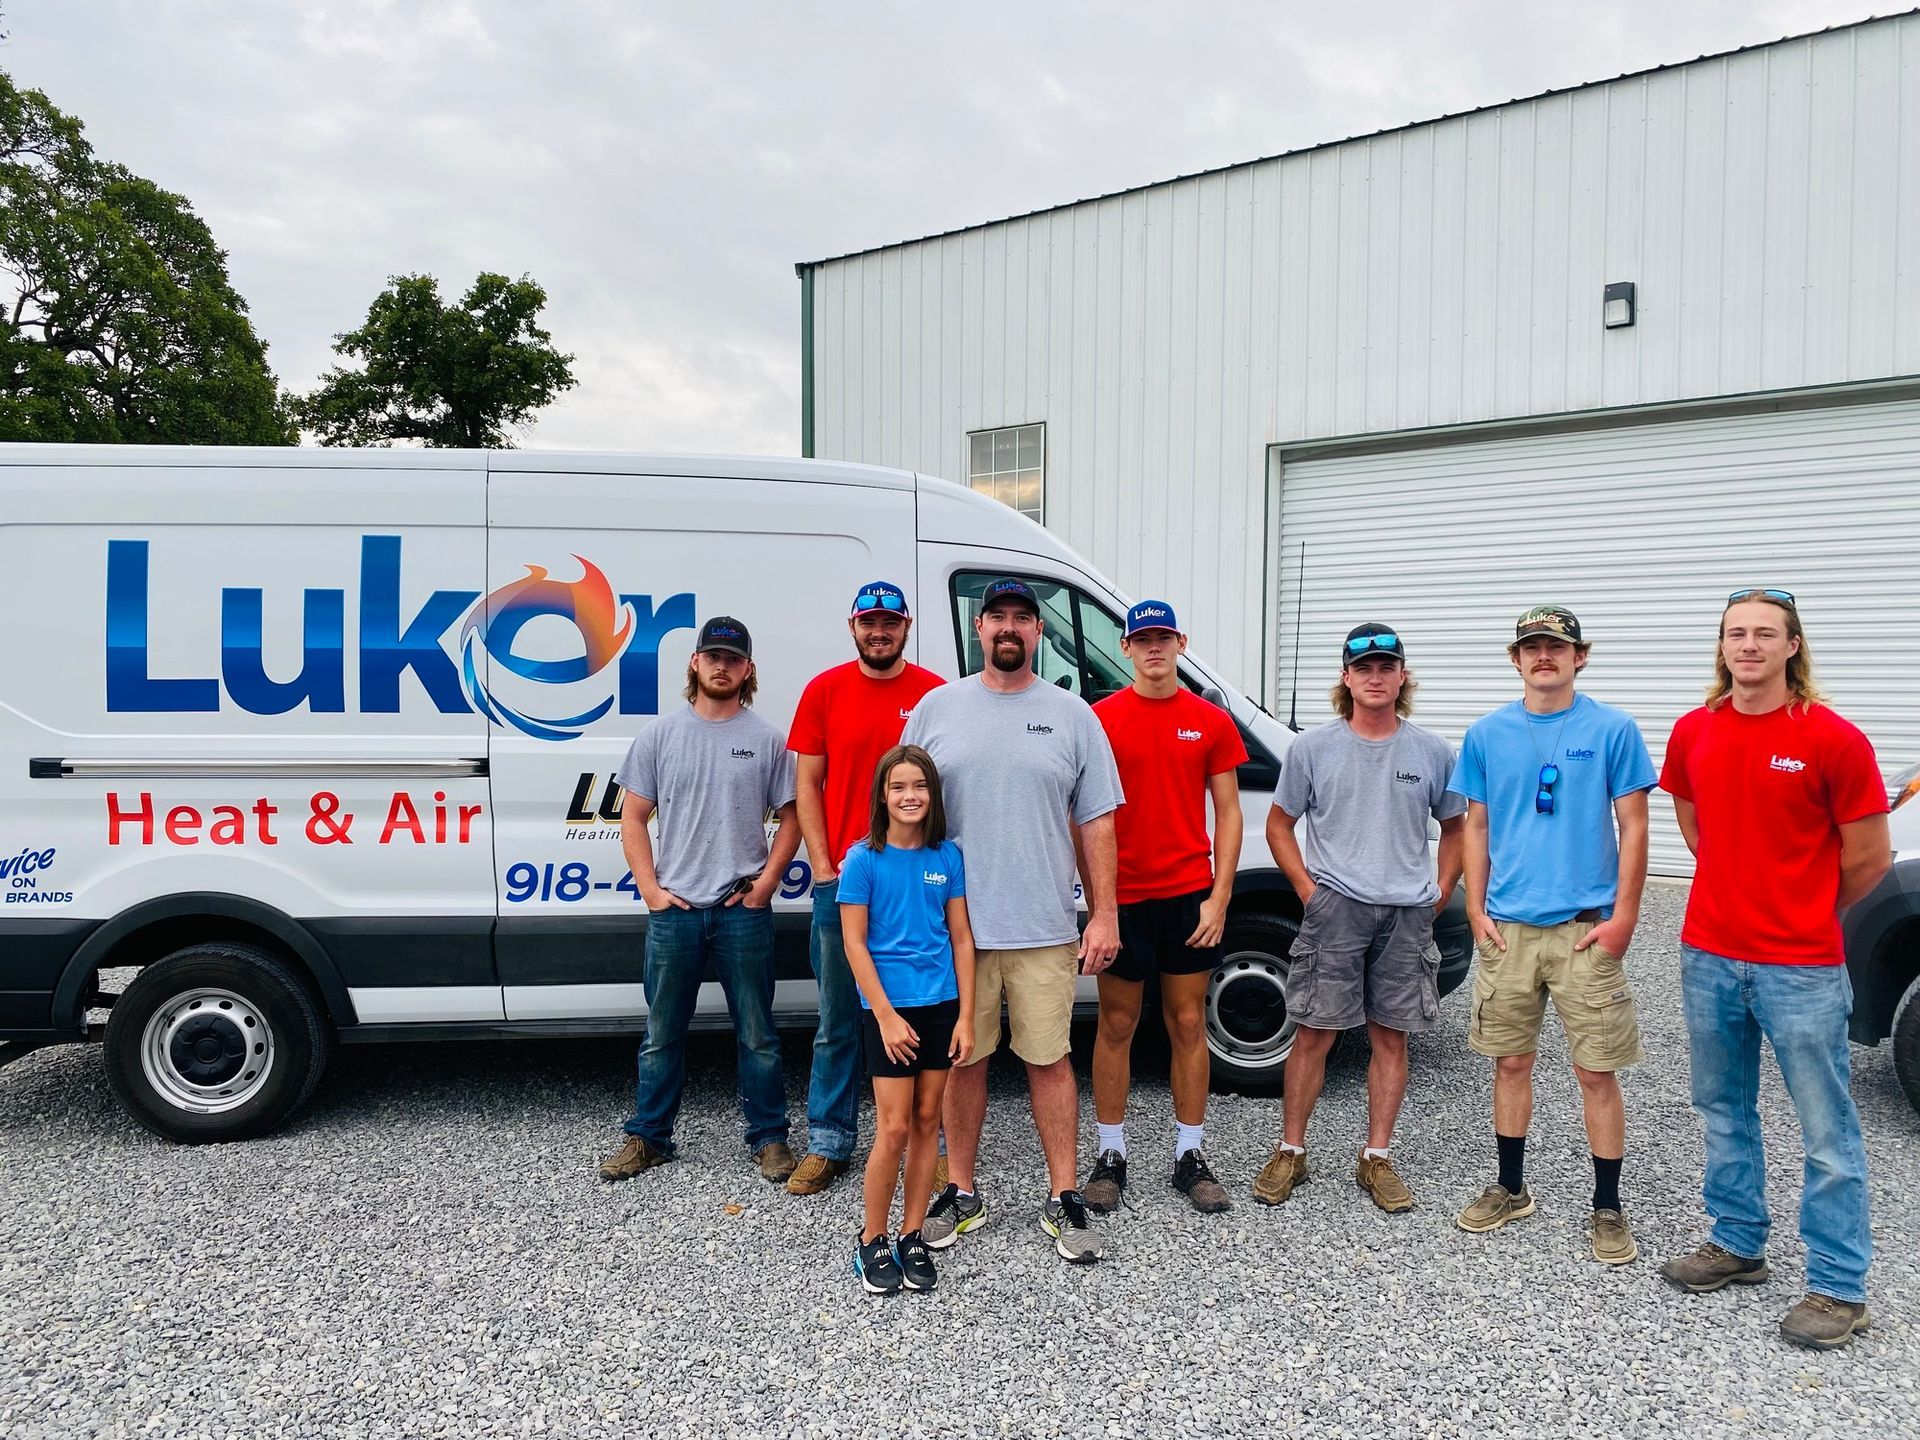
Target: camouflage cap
[(1552, 620)]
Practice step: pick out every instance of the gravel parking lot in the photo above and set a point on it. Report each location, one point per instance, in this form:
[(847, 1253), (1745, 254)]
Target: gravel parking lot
[(427, 1251)]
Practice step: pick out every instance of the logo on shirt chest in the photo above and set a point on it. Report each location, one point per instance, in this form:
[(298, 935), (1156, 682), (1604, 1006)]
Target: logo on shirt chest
[(1584, 754), (1406, 777), (1786, 764), (1039, 729), (740, 754), (906, 714), (1189, 735), (933, 877)]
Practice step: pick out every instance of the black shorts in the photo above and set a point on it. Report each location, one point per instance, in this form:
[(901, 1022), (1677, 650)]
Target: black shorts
[(932, 1023), (1153, 936)]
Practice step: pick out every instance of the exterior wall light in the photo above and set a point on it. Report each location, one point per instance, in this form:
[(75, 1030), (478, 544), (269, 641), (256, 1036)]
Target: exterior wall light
[(1616, 311)]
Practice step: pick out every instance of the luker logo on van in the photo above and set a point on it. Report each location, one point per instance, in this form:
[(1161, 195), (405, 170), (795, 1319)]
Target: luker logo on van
[(619, 646)]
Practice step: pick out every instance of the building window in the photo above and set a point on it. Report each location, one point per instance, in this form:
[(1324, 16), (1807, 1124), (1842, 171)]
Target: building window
[(1010, 465)]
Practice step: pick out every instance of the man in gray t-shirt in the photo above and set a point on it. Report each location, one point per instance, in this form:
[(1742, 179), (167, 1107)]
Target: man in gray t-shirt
[(709, 776), (1029, 780), (1363, 788)]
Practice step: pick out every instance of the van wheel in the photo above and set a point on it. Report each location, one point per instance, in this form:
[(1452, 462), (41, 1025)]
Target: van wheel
[(1249, 1032), (220, 1041), (1906, 1046)]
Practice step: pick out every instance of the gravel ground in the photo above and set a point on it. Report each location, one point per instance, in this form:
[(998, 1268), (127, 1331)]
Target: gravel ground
[(426, 1251)]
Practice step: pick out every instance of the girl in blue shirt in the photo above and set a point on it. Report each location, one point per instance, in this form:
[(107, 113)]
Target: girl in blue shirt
[(903, 914)]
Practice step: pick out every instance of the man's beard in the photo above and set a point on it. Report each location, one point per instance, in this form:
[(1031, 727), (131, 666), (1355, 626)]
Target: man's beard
[(880, 662), (1001, 662), (724, 689)]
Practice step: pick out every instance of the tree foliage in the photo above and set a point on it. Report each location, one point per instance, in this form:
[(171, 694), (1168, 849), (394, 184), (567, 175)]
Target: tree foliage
[(117, 321), (443, 375)]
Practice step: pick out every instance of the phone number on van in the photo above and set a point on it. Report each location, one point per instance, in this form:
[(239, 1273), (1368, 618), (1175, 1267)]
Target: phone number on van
[(574, 881)]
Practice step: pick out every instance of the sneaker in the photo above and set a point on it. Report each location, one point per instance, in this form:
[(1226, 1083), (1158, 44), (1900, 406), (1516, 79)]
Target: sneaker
[(873, 1262), (1710, 1268), (952, 1215), (814, 1174), (916, 1262), (1109, 1178), (1379, 1179), (1612, 1241), (775, 1161), (1495, 1207), (1193, 1178), (630, 1159), (1065, 1220), (1277, 1178), (1821, 1322)]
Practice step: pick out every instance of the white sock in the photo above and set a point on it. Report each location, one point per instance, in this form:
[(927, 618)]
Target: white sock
[(1113, 1137), (1293, 1149), (1188, 1137), (1373, 1154)]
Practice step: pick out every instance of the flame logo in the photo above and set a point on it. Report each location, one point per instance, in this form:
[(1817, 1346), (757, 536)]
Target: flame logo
[(496, 620)]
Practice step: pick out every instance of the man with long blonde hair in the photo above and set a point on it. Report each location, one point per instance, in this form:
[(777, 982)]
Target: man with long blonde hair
[(1783, 806)]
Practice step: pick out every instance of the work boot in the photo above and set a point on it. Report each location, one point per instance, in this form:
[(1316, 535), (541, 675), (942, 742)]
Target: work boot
[(630, 1159), (775, 1161), (1821, 1322), (1710, 1267), (814, 1174)]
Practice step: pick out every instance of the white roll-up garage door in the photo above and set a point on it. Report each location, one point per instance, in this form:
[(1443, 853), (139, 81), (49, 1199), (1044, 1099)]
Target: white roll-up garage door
[(1642, 531)]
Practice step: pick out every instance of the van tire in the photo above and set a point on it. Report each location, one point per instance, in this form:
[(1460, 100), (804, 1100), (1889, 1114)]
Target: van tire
[(1249, 1033), (218, 1041), (1906, 1046)]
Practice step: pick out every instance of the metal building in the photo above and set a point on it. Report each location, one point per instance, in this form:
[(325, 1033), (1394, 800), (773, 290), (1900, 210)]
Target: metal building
[(1625, 347)]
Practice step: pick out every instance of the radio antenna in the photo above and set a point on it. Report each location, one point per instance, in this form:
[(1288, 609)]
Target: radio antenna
[(1299, 592)]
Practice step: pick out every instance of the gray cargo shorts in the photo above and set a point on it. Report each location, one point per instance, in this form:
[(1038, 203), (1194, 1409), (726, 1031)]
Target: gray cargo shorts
[(1354, 962)]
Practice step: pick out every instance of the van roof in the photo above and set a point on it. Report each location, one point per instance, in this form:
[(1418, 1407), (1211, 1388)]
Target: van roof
[(576, 462)]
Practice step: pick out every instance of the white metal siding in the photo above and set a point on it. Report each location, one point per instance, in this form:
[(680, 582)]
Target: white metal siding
[(1642, 532), (1766, 203)]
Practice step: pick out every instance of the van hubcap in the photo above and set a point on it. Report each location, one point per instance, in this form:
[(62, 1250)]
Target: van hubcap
[(1247, 1019), (207, 1051)]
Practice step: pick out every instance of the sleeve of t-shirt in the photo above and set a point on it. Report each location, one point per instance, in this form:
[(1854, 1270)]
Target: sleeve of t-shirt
[(639, 772), (1629, 766), (856, 876), (1448, 803), (1673, 775), (1855, 790), (808, 733), (1227, 751), (1469, 779), (781, 782), (1096, 790), (1294, 793), (956, 865)]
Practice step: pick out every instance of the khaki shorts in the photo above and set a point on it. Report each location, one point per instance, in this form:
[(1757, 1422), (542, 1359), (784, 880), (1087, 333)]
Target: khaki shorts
[(1037, 985), (1589, 989)]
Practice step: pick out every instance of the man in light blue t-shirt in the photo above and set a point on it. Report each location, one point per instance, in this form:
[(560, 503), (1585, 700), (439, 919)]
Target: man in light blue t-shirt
[(1553, 894)]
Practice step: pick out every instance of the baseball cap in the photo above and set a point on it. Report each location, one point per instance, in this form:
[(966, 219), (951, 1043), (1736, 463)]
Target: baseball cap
[(723, 632), (1151, 615), (1000, 592), (1371, 639), (1552, 620), (880, 595)]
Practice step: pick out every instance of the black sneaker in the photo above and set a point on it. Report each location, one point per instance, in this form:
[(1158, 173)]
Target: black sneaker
[(873, 1262), (1065, 1220), (1193, 1179), (1103, 1187), (916, 1262)]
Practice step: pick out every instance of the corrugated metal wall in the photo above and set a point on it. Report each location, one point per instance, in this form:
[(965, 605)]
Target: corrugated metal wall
[(1767, 205), (1642, 532)]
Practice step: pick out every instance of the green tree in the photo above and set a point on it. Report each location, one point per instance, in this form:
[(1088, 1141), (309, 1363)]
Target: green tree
[(444, 375), (117, 322)]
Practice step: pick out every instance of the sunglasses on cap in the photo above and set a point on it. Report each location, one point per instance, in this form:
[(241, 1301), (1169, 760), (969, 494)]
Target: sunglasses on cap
[(1543, 796), (863, 603), (1785, 597), (1387, 641)]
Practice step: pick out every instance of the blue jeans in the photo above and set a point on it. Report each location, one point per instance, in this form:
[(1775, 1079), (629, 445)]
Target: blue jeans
[(1802, 1011), (833, 1088), (739, 942)]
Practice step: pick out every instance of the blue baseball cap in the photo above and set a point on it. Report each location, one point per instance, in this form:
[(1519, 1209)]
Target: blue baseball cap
[(999, 592), (882, 596), (1151, 615)]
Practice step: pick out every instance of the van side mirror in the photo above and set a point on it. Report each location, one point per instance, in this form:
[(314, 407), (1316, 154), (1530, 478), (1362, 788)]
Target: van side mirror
[(1214, 695)]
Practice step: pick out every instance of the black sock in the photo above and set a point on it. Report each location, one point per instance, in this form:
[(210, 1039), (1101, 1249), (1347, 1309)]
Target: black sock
[(1513, 1161), (1606, 1184)]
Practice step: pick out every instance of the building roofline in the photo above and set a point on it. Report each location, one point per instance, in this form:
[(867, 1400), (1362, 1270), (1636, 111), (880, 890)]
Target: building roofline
[(803, 266)]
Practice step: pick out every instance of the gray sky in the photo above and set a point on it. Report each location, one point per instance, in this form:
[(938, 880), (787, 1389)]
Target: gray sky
[(659, 167)]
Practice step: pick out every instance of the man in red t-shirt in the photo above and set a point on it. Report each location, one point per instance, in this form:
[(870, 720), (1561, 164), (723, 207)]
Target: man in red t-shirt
[(1783, 806), (1174, 750), (848, 717)]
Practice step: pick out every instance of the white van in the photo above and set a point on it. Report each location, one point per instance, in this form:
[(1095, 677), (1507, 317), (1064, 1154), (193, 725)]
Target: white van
[(322, 740)]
